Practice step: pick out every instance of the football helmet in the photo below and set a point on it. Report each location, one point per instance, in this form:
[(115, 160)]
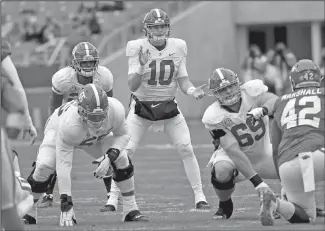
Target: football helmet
[(156, 26), (305, 73), (85, 59), (225, 86), (93, 105)]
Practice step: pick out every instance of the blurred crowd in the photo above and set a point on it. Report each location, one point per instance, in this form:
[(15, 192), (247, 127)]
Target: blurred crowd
[(31, 25)]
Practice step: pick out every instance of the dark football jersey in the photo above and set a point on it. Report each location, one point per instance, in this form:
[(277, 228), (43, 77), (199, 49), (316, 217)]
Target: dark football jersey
[(300, 117)]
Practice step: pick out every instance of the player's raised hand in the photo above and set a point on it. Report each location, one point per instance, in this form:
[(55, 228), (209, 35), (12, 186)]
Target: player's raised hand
[(67, 217), (143, 56)]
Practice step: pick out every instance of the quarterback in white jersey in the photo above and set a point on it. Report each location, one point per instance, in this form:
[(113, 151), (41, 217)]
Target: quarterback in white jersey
[(85, 124), (154, 77), (69, 81), (238, 122)]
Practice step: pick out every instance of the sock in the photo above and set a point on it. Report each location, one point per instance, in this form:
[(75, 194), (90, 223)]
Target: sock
[(292, 212), (224, 195), (127, 192), (114, 194), (193, 174), (107, 183)]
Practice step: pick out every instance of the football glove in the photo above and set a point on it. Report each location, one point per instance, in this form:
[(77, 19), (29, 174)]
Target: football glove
[(103, 165), (197, 92), (258, 112), (67, 217)]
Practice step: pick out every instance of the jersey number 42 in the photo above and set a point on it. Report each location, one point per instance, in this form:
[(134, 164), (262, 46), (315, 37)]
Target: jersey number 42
[(306, 116)]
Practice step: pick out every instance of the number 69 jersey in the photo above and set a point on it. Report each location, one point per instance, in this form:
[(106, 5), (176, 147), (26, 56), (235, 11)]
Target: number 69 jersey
[(159, 81), (252, 137), (300, 118)]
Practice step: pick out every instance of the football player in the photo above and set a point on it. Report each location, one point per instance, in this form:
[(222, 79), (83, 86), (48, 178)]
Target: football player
[(85, 124), (238, 123), (67, 82), (9, 71), (157, 66), (298, 147)]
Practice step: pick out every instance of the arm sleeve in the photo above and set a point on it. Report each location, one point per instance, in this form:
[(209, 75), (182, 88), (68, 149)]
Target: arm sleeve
[(121, 136), (276, 139), (64, 155)]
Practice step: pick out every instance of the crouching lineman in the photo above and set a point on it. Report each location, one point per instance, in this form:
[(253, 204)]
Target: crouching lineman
[(238, 123), (298, 147), (67, 82), (85, 124)]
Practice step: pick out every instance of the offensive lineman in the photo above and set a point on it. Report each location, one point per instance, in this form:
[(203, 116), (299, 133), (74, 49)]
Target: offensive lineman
[(67, 82), (237, 121), (298, 147), (157, 65), (85, 124)]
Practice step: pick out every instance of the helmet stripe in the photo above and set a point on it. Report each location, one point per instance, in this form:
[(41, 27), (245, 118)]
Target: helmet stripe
[(86, 48), (222, 77), (158, 13), (96, 95)]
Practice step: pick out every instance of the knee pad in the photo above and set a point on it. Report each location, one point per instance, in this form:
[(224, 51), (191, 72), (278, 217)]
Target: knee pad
[(226, 185), (123, 174), (38, 186), (185, 150)]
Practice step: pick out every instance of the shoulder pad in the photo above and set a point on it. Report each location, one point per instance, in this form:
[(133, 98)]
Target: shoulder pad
[(106, 80), (70, 129), (133, 47), (254, 87), (213, 115), (180, 45), (61, 78)]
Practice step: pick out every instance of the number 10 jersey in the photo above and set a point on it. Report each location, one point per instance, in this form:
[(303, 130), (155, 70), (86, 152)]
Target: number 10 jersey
[(159, 82)]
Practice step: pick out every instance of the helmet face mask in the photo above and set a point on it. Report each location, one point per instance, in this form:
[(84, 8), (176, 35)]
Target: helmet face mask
[(85, 59), (156, 27), (225, 86), (93, 105)]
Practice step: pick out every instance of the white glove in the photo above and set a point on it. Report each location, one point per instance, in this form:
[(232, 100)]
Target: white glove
[(258, 113), (67, 217), (198, 92), (260, 189), (104, 164)]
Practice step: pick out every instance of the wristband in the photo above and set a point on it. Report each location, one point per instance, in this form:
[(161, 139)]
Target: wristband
[(256, 180), (265, 110), (113, 154), (141, 70), (190, 90)]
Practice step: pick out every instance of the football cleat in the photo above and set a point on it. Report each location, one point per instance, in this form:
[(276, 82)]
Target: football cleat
[(225, 210), (202, 205), (29, 220), (267, 208), (320, 212), (47, 201), (135, 215)]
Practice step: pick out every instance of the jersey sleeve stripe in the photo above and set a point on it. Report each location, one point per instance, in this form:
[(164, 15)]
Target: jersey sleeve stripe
[(56, 91)]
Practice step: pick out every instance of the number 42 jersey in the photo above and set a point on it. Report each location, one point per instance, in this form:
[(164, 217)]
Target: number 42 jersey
[(159, 81), (300, 118), (252, 136)]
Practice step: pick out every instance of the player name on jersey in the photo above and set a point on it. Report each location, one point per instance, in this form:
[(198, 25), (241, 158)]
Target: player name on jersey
[(315, 91)]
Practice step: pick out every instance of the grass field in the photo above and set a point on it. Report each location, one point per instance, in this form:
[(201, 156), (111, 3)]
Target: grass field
[(162, 190)]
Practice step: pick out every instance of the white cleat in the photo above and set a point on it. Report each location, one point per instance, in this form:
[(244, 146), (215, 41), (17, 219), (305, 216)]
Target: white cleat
[(267, 208)]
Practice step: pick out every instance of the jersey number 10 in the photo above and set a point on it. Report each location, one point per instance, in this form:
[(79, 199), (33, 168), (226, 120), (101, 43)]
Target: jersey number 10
[(291, 119), (163, 64)]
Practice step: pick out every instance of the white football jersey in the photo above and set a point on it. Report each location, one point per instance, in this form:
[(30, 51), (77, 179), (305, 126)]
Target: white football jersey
[(253, 138), (66, 122), (159, 81), (65, 82)]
